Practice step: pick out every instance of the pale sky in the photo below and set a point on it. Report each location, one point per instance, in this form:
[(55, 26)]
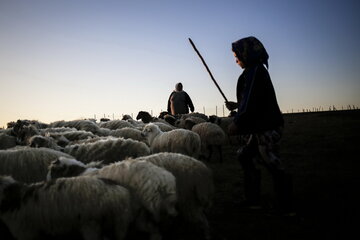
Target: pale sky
[(65, 60)]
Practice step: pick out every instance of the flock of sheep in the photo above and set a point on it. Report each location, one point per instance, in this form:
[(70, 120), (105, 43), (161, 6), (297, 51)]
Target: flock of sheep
[(108, 180)]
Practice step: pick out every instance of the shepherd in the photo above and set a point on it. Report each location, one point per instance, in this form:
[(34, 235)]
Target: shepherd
[(179, 101)]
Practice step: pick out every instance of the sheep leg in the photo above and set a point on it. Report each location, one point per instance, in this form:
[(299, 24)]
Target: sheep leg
[(210, 151), (198, 218), (91, 231), (26, 235), (120, 229), (220, 152)]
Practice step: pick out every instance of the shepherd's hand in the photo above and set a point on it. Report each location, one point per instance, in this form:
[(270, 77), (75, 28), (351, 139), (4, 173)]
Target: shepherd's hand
[(231, 105)]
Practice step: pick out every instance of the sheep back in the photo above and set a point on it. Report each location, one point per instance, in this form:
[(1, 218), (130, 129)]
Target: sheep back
[(210, 133), (194, 180), (64, 205), (127, 132), (115, 124), (154, 186), (7, 141), (85, 125), (178, 141), (28, 164), (108, 150)]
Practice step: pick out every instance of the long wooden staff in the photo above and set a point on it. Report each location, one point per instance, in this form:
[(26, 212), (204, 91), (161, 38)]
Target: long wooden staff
[(207, 68)]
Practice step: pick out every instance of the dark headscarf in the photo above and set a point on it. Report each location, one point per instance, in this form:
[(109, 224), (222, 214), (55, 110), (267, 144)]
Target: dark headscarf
[(250, 51), (179, 87)]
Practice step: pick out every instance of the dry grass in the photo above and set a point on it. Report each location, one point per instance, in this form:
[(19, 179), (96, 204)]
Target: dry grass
[(319, 150)]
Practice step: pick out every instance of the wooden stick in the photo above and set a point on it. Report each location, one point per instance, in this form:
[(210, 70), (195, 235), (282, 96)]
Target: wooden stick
[(207, 68)]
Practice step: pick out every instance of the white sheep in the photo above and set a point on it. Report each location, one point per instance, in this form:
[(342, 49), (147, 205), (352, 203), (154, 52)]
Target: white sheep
[(181, 123), (115, 124), (224, 123), (147, 118), (154, 187), (23, 130), (85, 125), (70, 167), (135, 123), (85, 205), (195, 114), (38, 141), (28, 164), (212, 136), (73, 135), (57, 130), (127, 132), (165, 127), (177, 140), (108, 150), (7, 141), (194, 185)]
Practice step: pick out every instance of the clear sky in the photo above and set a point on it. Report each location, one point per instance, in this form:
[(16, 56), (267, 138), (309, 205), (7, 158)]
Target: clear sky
[(65, 60)]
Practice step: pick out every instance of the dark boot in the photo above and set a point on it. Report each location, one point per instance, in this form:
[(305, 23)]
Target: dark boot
[(283, 189), (252, 186)]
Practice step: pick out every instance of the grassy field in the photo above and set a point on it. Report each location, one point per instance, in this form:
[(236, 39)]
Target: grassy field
[(319, 150)]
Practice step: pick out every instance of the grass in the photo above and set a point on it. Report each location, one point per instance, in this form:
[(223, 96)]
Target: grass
[(319, 150)]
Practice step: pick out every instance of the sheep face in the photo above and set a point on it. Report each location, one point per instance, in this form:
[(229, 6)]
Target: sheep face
[(23, 130), (144, 116), (5, 181), (169, 205), (150, 131), (65, 167)]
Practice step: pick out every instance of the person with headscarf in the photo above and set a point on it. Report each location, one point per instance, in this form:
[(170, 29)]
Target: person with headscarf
[(260, 122), (179, 101)]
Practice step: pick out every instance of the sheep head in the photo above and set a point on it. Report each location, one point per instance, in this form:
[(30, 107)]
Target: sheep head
[(150, 131), (5, 181), (144, 116), (65, 167)]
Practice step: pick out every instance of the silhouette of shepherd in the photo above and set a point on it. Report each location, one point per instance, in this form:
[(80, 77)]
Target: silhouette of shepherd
[(179, 101)]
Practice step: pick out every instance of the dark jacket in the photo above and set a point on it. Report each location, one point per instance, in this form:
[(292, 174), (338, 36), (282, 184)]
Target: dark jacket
[(179, 103), (258, 109)]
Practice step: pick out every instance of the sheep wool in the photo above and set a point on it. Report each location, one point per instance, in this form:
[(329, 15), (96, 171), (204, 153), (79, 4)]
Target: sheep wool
[(38, 141), (7, 141), (69, 167), (74, 135), (212, 136), (108, 150), (28, 164), (86, 125), (84, 205), (165, 127), (116, 124), (194, 184), (127, 132), (154, 186), (177, 140)]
